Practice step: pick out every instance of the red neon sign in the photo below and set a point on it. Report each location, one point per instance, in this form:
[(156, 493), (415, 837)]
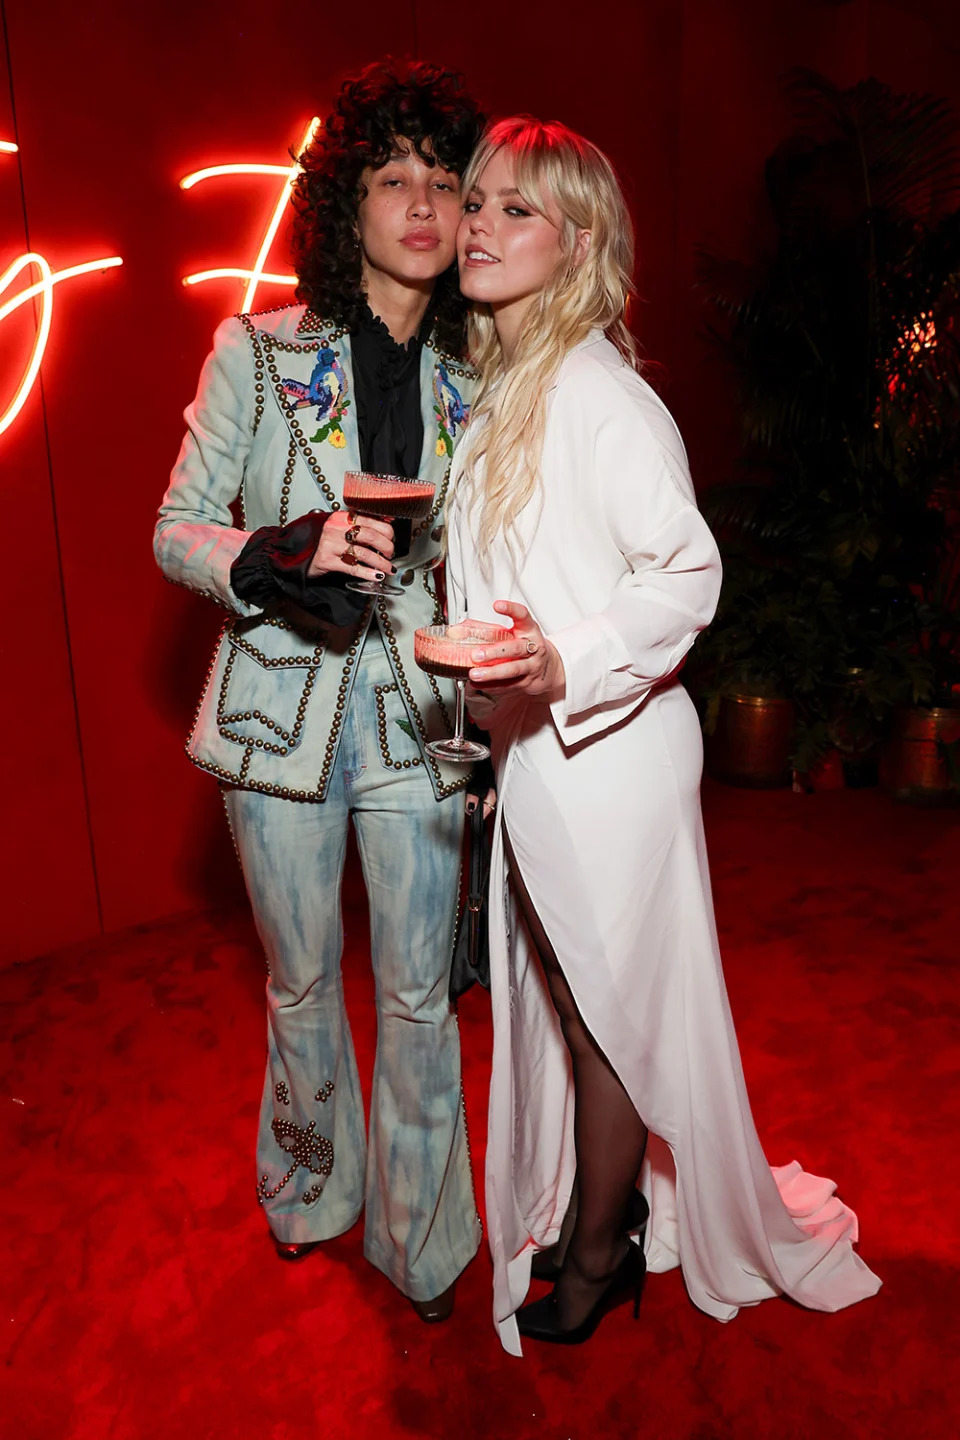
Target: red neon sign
[(43, 288), (258, 275)]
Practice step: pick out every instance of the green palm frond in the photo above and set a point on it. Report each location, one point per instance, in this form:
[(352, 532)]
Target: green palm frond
[(904, 146)]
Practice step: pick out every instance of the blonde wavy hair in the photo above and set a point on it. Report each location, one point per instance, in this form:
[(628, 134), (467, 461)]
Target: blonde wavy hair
[(555, 170)]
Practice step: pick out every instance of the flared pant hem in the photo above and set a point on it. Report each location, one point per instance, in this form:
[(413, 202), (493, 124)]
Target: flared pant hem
[(390, 1266)]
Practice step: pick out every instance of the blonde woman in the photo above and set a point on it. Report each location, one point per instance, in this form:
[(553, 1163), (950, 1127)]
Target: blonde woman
[(574, 521)]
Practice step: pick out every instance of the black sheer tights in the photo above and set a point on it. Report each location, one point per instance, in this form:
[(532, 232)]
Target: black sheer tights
[(609, 1137)]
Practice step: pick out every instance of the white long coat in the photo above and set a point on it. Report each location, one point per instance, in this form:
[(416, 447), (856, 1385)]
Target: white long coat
[(600, 796)]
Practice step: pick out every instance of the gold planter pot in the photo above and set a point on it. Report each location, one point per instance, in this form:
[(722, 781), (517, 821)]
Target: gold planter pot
[(914, 764), (751, 742)]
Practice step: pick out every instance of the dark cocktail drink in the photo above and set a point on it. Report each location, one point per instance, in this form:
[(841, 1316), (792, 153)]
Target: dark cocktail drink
[(448, 668), (385, 497)]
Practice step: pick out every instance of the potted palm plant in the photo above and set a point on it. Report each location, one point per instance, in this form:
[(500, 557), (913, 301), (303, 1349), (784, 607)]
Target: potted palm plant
[(839, 535)]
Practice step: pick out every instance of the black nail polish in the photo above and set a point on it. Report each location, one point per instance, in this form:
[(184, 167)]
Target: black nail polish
[(379, 575)]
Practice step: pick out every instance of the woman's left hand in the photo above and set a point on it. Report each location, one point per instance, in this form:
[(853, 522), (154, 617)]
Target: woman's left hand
[(489, 803), (526, 664)]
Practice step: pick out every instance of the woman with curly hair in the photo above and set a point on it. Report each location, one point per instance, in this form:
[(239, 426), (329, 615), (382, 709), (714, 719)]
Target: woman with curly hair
[(609, 1008), (314, 710)]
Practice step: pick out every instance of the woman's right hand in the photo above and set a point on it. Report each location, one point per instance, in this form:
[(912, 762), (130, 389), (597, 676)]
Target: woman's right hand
[(367, 543)]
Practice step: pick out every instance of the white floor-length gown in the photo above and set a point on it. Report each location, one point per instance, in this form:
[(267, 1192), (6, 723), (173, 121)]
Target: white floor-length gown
[(600, 796)]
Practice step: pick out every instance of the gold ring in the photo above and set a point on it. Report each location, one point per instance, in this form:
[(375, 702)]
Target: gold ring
[(349, 558), (352, 535), (532, 647)]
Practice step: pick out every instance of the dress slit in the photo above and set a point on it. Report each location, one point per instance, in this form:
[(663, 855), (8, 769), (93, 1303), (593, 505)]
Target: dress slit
[(542, 943)]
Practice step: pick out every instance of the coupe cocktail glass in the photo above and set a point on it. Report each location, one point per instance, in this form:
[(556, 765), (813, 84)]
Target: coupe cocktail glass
[(385, 497), (446, 650)]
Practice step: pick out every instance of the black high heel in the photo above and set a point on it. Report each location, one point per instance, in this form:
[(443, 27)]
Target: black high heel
[(541, 1320), (546, 1266)]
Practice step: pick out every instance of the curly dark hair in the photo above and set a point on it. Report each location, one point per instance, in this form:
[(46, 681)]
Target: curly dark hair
[(428, 106)]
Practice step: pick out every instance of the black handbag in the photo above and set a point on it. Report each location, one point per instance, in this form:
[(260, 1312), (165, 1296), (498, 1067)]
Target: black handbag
[(471, 944)]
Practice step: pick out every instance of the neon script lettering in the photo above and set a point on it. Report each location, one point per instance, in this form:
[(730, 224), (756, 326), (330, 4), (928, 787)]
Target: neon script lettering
[(43, 289), (258, 275)]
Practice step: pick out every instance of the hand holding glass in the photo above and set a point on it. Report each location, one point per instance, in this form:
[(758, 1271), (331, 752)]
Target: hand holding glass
[(446, 650), (385, 497)]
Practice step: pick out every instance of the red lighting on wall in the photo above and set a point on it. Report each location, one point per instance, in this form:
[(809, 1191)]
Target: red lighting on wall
[(42, 289), (258, 275)]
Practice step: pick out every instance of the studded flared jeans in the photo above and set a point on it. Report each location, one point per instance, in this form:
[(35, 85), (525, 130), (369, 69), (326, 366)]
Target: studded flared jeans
[(317, 1169)]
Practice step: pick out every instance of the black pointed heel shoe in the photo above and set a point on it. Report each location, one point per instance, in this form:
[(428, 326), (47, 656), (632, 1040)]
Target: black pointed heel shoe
[(541, 1320), (293, 1253), (434, 1312), (545, 1264)]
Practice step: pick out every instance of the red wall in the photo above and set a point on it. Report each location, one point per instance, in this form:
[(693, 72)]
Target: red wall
[(106, 823)]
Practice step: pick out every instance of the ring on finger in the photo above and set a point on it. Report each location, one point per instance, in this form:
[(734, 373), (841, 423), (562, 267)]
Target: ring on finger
[(349, 558), (532, 647), (352, 535)]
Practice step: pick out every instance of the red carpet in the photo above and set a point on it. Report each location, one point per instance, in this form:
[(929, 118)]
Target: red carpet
[(144, 1303)]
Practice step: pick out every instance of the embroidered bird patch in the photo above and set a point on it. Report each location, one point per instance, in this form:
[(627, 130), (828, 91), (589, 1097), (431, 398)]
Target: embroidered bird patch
[(328, 391), (449, 409)]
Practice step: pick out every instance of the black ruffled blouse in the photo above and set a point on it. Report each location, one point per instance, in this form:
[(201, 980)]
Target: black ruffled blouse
[(386, 378)]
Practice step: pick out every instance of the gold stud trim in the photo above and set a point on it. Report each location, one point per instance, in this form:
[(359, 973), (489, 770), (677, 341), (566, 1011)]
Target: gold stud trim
[(347, 676), (275, 662), (258, 386), (307, 1150), (286, 483), (269, 310), (455, 364), (379, 692), (271, 344), (226, 718)]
